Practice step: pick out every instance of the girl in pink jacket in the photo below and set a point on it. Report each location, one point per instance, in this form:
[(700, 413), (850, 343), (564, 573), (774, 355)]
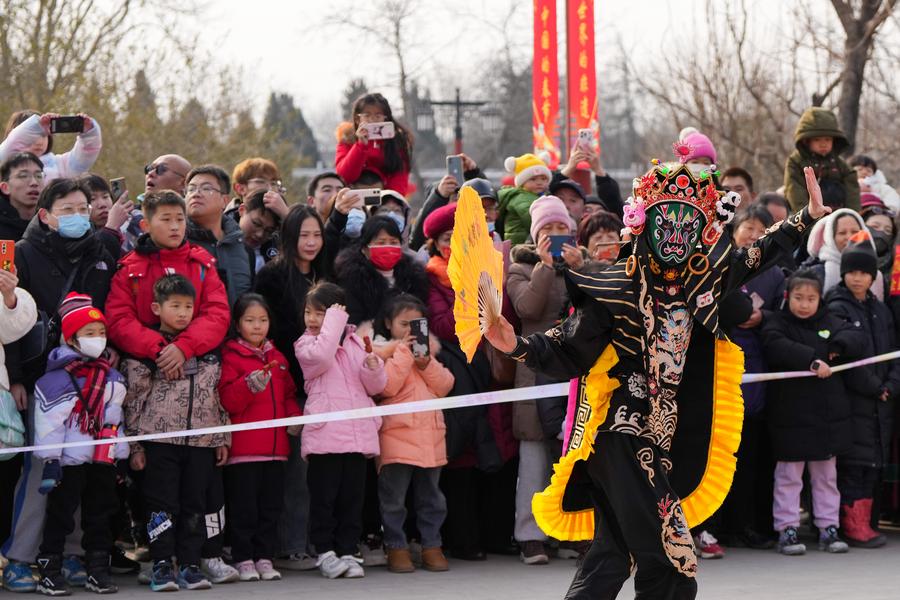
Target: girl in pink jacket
[(413, 446), (340, 372)]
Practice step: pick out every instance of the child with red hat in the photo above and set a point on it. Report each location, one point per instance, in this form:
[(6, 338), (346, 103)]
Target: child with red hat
[(79, 398)]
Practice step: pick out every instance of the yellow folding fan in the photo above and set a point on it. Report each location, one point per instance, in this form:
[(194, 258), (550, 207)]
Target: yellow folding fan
[(476, 273)]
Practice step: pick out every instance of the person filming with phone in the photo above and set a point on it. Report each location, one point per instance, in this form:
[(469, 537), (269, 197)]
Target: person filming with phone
[(29, 131), (373, 141)]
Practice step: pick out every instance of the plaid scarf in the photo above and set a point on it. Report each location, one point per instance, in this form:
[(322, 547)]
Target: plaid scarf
[(88, 411)]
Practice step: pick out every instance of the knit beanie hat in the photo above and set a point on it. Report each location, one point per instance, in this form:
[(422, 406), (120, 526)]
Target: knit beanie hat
[(692, 144), (75, 312), (546, 210), (525, 167), (439, 221), (859, 255)]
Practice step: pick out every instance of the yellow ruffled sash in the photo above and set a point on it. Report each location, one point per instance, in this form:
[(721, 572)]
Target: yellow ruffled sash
[(727, 420)]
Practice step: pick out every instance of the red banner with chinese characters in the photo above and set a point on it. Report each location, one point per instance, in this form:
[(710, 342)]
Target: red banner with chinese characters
[(581, 73), (545, 82)]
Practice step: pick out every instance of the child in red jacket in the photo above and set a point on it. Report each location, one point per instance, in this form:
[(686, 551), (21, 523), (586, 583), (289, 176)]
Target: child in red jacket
[(164, 251), (255, 386), (389, 159)]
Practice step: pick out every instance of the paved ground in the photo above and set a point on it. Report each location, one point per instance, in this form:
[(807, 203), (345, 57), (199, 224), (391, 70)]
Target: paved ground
[(743, 574)]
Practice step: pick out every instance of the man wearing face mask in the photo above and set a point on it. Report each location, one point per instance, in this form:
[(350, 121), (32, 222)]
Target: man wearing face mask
[(58, 254)]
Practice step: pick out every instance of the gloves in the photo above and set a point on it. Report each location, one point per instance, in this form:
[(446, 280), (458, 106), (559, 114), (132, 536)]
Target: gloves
[(50, 477), (258, 380)]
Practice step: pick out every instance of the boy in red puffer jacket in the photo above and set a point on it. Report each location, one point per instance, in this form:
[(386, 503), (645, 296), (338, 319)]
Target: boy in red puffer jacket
[(256, 385)]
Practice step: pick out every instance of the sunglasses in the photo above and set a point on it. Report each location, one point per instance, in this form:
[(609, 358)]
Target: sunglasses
[(160, 169)]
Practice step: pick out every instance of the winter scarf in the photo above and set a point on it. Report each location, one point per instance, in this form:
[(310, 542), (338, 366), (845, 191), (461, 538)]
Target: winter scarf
[(88, 410)]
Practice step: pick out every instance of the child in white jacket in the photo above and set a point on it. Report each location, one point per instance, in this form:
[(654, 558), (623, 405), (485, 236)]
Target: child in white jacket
[(18, 314), (79, 398), (28, 131)]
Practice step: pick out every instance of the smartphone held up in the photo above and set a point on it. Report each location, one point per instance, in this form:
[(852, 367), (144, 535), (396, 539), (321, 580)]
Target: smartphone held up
[(418, 328), (69, 124), (381, 131)]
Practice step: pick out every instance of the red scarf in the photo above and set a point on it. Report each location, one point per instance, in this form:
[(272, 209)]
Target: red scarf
[(437, 266), (88, 411)]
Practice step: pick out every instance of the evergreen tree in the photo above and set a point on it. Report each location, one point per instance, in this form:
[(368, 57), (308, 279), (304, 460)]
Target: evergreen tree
[(356, 88)]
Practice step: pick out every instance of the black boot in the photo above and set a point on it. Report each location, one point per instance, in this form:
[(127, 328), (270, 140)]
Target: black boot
[(51, 582), (99, 580)]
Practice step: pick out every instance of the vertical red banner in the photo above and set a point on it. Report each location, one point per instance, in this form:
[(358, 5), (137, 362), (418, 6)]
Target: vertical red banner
[(545, 81), (580, 69)]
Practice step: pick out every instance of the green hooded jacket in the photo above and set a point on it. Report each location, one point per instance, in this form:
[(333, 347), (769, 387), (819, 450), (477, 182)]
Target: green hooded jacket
[(830, 169), (515, 217)]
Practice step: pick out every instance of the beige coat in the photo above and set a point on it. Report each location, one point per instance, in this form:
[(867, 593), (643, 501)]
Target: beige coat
[(538, 294)]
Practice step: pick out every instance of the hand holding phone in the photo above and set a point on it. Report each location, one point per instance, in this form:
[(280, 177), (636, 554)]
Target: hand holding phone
[(585, 138), (368, 197), (381, 131), (117, 188)]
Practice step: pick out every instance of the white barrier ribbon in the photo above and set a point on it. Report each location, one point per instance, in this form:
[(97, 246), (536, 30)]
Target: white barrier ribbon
[(405, 408)]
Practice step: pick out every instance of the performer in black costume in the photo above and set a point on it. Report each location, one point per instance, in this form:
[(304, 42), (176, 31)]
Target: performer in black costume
[(655, 422)]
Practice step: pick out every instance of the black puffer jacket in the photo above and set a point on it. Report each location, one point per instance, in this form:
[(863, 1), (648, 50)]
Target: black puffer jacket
[(872, 417), (12, 226), (367, 289), (809, 418), (44, 262)]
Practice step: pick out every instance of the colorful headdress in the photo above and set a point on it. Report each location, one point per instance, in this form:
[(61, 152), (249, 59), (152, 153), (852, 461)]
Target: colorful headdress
[(675, 182)]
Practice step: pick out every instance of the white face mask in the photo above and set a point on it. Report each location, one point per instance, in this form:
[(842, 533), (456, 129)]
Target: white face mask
[(92, 347)]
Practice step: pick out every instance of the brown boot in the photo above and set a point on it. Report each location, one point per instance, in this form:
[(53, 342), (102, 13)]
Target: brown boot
[(433, 559), (399, 560)]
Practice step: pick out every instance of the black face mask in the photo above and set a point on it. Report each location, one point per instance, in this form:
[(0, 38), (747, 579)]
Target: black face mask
[(883, 243)]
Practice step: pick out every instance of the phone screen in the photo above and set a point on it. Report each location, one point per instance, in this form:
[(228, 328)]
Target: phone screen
[(419, 329), (455, 168), (66, 125), (556, 244), (117, 188)]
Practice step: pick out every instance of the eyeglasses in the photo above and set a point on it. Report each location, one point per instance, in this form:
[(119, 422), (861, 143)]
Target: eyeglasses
[(161, 169), (877, 210), (275, 186), (25, 176), (205, 189), (371, 116), (83, 210)]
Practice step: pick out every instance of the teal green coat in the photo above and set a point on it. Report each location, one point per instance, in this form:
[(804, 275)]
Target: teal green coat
[(514, 205)]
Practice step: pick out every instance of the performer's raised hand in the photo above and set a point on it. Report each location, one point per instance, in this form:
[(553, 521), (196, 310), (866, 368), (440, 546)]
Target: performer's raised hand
[(816, 208), (501, 335)]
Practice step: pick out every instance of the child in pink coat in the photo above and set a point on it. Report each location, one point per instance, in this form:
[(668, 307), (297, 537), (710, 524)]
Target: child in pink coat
[(340, 372)]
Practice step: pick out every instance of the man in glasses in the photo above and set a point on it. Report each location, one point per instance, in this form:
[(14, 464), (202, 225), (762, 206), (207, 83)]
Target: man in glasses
[(166, 173), (206, 193), (254, 174), (21, 182)]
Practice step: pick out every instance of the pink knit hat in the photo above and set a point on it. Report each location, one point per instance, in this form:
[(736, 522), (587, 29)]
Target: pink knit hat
[(692, 144), (546, 210)]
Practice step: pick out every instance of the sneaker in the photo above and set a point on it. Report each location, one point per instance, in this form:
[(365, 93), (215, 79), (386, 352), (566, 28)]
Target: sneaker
[(707, 546), (789, 544), (162, 577), (533, 552), (121, 564), (99, 579), (372, 551), (247, 571), (51, 581), (18, 577), (330, 565), (266, 571), (354, 568), (829, 541), (74, 572), (296, 562), (192, 578), (218, 571)]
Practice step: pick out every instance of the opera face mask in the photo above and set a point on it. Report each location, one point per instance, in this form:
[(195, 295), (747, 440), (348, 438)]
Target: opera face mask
[(673, 229)]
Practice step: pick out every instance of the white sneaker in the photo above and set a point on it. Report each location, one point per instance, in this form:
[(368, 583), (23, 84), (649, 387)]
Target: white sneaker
[(218, 571), (331, 566), (296, 562), (354, 569), (247, 571), (266, 571)]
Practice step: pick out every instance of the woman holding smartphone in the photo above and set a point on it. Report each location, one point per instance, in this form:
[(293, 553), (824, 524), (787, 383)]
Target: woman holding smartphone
[(373, 141), (30, 131)]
